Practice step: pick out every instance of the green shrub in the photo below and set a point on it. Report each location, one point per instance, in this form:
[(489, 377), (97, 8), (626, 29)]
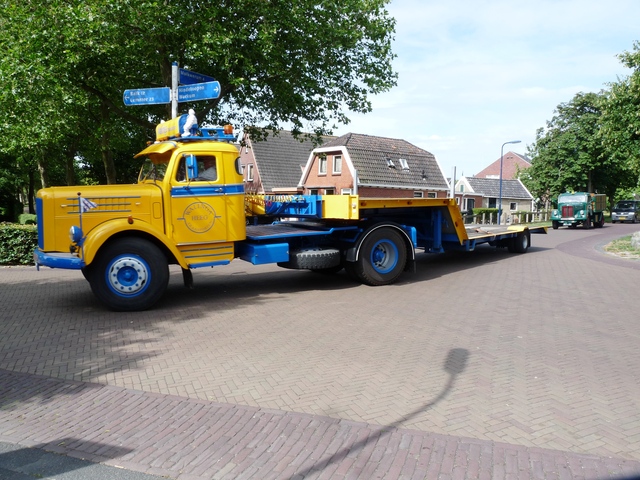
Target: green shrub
[(17, 243), (27, 219)]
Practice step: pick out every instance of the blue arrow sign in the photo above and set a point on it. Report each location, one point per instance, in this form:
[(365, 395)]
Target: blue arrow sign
[(147, 96), (199, 91), (187, 77)]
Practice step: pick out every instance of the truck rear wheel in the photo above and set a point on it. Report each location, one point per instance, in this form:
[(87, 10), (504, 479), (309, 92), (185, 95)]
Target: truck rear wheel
[(130, 274), (382, 258), (521, 242)]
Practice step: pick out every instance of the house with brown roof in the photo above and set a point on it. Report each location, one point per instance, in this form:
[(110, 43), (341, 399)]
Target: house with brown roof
[(274, 164), (373, 167), (476, 192), (512, 164)]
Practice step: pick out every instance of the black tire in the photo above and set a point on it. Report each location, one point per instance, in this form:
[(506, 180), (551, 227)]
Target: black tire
[(313, 259), (86, 273), (382, 257), (520, 243), (587, 223), (329, 270), (600, 222), (613, 221), (129, 274), (555, 224)]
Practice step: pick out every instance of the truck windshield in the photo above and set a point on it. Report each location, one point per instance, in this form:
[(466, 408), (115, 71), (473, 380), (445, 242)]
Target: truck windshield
[(573, 198), (153, 171)]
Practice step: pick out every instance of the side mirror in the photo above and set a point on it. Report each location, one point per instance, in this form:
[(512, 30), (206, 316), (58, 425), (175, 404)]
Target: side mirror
[(192, 166)]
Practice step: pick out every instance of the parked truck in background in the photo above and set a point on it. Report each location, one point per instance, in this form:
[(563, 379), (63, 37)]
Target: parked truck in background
[(124, 237), (579, 208)]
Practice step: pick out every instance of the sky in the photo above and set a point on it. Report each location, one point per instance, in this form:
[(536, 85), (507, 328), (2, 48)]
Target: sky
[(474, 74)]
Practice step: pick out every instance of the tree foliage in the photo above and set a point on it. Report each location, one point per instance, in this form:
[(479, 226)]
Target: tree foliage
[(301, 64), (591, 143), (621, 117)]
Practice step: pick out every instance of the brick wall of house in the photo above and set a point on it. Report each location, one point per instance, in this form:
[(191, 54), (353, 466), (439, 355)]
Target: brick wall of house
[(246, 159), (335, 181)]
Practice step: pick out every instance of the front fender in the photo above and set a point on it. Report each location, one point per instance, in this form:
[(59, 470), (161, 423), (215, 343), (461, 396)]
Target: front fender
[(103, 232)]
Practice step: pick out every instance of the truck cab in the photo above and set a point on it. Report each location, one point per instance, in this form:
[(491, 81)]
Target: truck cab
[(123, 237), (579, 208)]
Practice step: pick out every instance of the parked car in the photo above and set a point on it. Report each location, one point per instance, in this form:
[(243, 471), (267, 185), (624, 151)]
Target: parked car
[(626, 211)]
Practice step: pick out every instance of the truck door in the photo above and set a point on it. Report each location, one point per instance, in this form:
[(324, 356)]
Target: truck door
[(198, 208)]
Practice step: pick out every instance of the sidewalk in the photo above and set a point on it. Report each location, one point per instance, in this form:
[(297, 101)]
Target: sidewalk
[(191, 439)]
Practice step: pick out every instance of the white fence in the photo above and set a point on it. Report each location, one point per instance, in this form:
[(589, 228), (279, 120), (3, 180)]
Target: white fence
[(508, 218)]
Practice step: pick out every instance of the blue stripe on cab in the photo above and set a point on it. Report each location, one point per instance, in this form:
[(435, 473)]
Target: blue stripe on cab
[(207, 190)]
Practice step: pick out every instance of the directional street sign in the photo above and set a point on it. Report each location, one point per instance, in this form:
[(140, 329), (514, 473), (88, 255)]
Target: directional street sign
[(147, 96), (187, 77), (199, 91)]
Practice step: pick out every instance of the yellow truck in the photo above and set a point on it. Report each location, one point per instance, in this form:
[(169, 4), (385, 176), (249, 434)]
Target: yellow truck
[(189, 208)]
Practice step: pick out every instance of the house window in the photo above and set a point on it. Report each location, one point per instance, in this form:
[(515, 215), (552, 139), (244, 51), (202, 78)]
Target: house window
[(403, 163), (313, 191), (418, 194), (322, 165), (329, 191), (337, 164), (250, 172), (431, 195), (513, 206), (493, 203), (346, 191)]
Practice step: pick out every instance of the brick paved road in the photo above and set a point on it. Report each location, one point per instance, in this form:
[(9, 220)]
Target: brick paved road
[(527, 358)]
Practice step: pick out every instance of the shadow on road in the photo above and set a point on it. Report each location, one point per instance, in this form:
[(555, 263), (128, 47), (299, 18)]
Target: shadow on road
[(454, 364), (50, 460)]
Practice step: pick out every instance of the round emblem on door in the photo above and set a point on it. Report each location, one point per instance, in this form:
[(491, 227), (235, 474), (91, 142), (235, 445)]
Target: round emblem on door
[(199, 217)]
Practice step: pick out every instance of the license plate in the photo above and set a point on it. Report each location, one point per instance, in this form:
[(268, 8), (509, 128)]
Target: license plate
[(623, 218)]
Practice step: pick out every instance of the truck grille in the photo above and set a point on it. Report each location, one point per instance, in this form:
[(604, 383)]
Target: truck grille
[(567, 211), (105, 204)]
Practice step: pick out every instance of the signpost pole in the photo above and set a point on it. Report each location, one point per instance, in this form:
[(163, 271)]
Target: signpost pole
[(174, 90)]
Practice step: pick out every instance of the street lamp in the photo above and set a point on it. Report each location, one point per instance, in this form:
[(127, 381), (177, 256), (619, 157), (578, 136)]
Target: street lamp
[(500, 197)]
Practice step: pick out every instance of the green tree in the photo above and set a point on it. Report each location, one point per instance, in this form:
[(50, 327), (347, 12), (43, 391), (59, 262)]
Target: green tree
[(298, 63), (569, 154), (621, 122)]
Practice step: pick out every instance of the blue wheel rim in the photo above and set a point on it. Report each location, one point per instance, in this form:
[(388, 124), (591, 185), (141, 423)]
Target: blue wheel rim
[(384, 256), (128, 275)]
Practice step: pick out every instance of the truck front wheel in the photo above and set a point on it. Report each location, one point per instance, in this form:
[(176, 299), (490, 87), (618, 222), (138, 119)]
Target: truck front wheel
[(130, 274), (382, 258), (587, 222), (555, 224)]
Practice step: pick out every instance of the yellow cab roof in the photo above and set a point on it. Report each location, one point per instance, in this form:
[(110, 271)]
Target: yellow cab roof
[(164, 147)]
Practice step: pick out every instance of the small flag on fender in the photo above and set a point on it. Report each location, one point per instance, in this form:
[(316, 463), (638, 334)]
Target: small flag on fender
[(86, 205)]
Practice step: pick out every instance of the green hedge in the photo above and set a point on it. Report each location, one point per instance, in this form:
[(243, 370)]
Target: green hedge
[(17, 243)]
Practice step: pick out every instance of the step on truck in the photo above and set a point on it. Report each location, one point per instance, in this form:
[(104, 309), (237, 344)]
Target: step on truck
[(189, 208), (579, 208)]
